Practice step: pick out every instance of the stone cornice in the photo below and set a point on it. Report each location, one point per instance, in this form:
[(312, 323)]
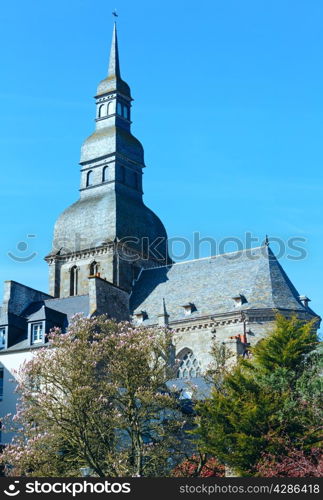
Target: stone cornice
[(110, 158), (213, 321), (101, 250)]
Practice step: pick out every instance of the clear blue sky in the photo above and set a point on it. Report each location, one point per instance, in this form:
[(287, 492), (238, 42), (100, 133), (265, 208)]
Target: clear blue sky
[(228, 105)]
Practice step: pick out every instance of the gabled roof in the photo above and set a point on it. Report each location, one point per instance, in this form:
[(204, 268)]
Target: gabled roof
[(211, 284)]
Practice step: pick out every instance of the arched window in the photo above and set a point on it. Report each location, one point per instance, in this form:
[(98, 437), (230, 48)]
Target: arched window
[(189, 366), (125, 112), (89, 178), (105, 174), (101, 110), (73, 280), (110, 108), (119, 109), (94, 268)]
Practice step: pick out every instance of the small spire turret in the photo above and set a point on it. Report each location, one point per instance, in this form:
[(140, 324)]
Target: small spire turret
[(163, 315), (113, 82)]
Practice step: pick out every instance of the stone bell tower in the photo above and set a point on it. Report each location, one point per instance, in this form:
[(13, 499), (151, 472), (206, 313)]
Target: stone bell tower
[(109, 232)]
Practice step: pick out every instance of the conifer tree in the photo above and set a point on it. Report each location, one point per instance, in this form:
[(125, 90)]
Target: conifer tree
[(259, 407)]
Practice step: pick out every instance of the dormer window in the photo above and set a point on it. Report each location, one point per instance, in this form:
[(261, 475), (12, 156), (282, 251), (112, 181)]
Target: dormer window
[(189, 308), (2, 338), (141, 316), (239, 300), (37, 333), (304, 300)]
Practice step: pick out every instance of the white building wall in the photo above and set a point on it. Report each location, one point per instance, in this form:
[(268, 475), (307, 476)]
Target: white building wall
[(10, 364)]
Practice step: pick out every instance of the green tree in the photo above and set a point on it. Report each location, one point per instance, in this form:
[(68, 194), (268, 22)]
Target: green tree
[(263, 404), (96, 397)]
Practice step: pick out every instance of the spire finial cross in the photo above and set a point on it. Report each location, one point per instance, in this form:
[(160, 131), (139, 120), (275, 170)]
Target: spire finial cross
[(114, 13)]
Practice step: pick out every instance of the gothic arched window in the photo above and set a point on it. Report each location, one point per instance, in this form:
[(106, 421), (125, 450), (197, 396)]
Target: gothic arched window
[(189, 366), (94, 268), (89, 178), (105, 174), (119, 109), (73, 280)]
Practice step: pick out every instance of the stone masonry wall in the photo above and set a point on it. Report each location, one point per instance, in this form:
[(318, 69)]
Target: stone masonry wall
[(17, 297), (105, 298)]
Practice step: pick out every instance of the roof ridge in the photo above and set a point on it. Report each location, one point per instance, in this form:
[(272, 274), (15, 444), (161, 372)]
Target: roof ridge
[(203, 258), (290, 287)]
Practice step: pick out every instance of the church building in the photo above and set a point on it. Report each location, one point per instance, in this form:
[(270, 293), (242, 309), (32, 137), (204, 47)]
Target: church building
[(109, 256)]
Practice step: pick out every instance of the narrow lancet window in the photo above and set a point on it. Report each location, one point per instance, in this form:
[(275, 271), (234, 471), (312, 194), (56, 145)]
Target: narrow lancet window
[(74, 281), (105, 174), (94, 268), (126, 112), (119, 109), (89, 178), (110, 108), (101, 111)]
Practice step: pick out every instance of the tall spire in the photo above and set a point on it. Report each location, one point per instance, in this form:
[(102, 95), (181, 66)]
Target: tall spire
[(114, 66), (113, 82)]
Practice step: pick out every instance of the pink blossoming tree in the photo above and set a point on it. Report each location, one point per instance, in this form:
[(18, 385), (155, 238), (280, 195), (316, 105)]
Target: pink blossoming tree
[(96, 397)]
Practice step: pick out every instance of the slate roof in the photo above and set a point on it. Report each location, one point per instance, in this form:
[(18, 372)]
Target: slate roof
[(57, 312), (56, 309), (70, 305), (211, 283), (21, 345)]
